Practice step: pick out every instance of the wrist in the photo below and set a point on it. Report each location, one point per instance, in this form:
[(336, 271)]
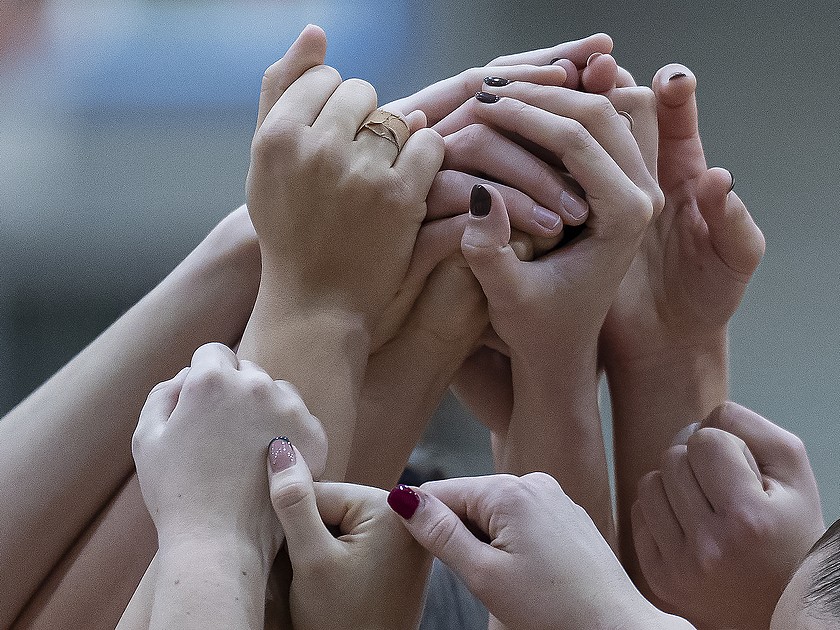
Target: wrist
[(636, 613)]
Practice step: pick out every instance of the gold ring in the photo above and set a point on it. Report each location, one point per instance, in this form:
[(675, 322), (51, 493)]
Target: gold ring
[(388, 126)]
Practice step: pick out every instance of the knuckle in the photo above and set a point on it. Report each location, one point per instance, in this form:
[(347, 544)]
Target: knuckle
[(205, 383), (290, 496), (601, 109), (441, 530), (576, 136), (361, 88)]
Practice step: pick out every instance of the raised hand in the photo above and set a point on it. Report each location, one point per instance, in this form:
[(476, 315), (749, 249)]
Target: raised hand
[(723, 524)]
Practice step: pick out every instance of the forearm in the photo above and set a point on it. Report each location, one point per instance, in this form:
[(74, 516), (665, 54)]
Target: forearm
[(556, 428), (323, 354), (207, 583), (652, 400), (67, 447)]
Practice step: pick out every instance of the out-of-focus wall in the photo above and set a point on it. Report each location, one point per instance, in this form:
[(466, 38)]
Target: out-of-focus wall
[(124, 134)]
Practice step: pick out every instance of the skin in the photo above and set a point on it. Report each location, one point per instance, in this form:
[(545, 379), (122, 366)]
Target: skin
[(724, 522), (544, 559), (790, 613)]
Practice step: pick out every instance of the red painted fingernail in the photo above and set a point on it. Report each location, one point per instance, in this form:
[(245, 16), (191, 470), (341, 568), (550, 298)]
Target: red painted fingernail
[(281, 454), (480, 201), (404, 501)]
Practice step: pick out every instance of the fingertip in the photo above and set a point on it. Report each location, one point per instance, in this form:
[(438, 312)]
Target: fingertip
[(416, 120), (673, 85), (404, 500)]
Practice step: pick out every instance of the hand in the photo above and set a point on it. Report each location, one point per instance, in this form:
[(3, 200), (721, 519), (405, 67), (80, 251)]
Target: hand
[(197, 452), (330, 202), (725, 522), (373, 575), (694, 265), (542, 563)]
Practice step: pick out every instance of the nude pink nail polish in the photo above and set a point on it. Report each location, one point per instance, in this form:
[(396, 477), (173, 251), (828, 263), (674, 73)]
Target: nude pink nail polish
[(281, 455)]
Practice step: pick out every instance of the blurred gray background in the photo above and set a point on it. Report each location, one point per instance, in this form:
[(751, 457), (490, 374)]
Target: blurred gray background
[(125, 130)]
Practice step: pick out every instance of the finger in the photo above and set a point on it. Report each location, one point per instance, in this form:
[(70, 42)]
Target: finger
[(441, 532), (624, 78), (483, 385), (639, 103), (441, 99), (577, 51), (307, 51), (478, 149), (304, 99), (415, 120), (450, 195), (293, 499), (647, 550), (736, 238), (419, 161), (680, 150), (595, 112), (486, 246), (724, 468), (213, 356), (162, 400), (690, 505), (344, 505), (778, 453), (662, 522), (587, 161), (347, 108), (600, 74)]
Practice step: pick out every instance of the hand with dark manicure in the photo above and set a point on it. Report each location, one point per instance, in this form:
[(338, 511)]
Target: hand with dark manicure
[(368, 572), (527, 551)]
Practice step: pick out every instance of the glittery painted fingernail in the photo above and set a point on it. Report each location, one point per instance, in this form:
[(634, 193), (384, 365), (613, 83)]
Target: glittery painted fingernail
[(281, 455), (479, 201), (404, 501), (496, 81), (486, 97), (677, 75)]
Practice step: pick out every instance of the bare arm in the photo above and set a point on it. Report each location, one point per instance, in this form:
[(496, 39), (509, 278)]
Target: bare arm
[(65, 450)]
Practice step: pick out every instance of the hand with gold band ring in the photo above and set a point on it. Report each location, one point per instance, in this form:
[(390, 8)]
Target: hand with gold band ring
[(387, 125)]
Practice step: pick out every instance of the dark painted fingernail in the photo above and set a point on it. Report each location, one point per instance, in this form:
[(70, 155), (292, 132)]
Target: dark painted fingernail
[(592, 58), (677, 75), (479, 201), (486, 97), (404, 501), (555, 60), (281, 454), (732, 185), (496, 81)]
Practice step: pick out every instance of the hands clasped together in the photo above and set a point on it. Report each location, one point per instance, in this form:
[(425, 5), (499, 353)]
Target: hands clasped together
[(510, 243)]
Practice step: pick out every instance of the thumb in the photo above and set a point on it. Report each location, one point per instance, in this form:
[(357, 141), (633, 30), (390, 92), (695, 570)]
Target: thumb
[(439, 530), (733, 233), (293, 498), (486, 244)]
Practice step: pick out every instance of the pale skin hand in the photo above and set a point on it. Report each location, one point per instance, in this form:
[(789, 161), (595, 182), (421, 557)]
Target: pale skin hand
[(54, 488), (373, 575), (203, 481), (545, 565), (723, 524), (548, 312), (669, 320)]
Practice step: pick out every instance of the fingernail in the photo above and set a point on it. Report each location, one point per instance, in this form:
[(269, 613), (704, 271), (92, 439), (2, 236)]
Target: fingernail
[(404, 501), (732, 185), (555, 60), (677, 75), (546, 218), (281, 454), (685, 433), (496, 81), (486, 97), (479, 201), (592, 58), (576, 208)]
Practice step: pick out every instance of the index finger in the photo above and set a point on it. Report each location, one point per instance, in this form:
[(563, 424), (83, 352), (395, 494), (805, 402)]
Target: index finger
[(307, 51), (577, 51)]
